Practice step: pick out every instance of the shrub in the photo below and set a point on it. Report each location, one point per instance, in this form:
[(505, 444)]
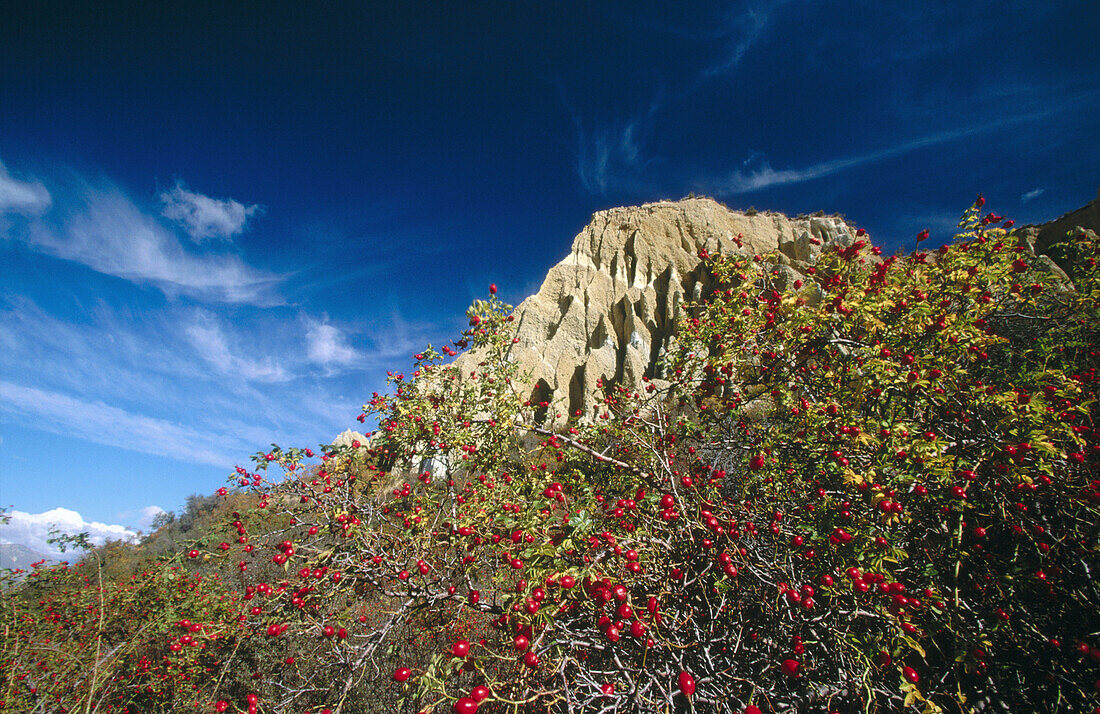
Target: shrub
[(74, 641), (872, 493)]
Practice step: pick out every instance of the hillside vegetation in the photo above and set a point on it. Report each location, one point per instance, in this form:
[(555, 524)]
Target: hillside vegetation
[(873, 493)]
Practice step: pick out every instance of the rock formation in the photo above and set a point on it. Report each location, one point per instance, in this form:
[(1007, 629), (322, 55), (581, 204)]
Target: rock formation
[(607, 311), (349, 437), (1045, 238)]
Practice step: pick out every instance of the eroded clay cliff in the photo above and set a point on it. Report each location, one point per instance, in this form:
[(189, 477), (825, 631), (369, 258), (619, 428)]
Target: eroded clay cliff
[(608, 310), (1050, 237)]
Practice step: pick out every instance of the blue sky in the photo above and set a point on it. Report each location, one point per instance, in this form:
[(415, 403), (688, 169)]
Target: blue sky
[(221, 223)]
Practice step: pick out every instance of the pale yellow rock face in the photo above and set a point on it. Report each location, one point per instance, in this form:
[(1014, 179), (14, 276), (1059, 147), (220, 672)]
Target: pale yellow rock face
[(348, 438), (1047, 235), (608, 310)]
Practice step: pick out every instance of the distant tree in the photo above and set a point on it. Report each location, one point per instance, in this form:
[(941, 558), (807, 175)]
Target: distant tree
[(161, 520)]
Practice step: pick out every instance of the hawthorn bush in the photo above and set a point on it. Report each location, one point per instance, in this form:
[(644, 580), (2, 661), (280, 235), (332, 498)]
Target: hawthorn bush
[(75, 642), (871, 491)]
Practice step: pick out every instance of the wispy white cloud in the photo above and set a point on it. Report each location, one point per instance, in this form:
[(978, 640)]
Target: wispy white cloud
[(742, 31), (134, 356), (101, 423), (594, 158), (764, 176), (114, 237), (328, 346), (101, 227), (29, 198), (612, 154), (204, 217), (211, 344), (34, 531), (173, 367), (1034, 193)]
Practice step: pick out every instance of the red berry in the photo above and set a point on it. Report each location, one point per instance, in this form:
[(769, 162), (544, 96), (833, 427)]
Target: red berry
[(686, 683), (402, 674), (465, 706), (791, 667), (910, 675)]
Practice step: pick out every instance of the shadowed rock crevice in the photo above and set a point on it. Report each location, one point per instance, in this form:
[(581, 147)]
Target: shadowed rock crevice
[(540, 395), (576, 391), (599, 335)]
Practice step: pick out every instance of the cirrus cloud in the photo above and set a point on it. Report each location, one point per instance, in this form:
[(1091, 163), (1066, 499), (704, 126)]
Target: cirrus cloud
[(764, 176), (204, 217), (29, 198), (328, 346), (210, 341), (109, 425), (1034, 193), (106, 231)]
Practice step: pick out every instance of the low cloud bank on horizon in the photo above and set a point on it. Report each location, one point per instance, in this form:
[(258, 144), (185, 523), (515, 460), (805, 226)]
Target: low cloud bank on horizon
[(34, 530)]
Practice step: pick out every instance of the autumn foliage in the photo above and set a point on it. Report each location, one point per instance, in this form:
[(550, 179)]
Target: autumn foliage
[(871, 489)]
